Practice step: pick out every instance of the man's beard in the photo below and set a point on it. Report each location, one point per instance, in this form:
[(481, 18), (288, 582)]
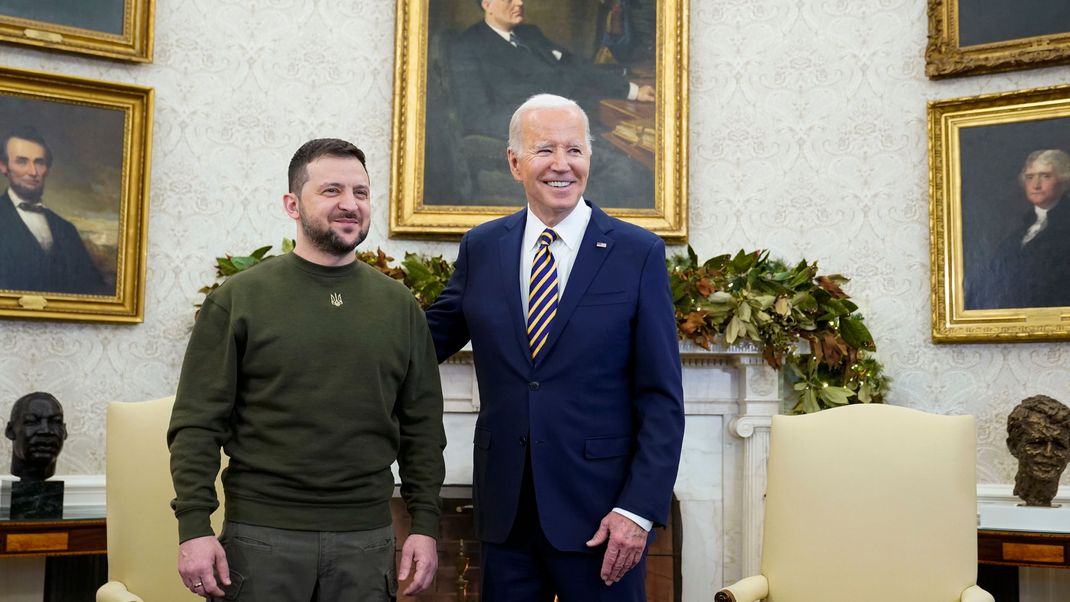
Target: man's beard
[(27, 194), (325, 239)]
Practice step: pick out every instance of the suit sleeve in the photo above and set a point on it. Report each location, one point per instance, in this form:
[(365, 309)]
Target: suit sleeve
[(657, 394), (589, 81), (445, 317)]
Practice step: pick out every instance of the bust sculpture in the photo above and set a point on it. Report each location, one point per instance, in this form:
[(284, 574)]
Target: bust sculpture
[(1038, 435), (37, 429)]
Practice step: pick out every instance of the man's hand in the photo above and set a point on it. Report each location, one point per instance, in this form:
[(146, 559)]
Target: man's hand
[(421, 551), (646, 93), (627, 541), (199, 560)]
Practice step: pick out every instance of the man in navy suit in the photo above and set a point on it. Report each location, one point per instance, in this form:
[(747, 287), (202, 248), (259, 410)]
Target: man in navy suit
[(39, 250), (570, 316)]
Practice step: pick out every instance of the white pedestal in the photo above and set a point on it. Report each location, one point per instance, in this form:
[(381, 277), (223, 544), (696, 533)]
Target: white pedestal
[(1009, 516)]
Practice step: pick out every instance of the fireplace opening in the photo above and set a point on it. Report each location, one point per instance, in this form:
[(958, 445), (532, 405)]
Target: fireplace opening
[(458, 574)]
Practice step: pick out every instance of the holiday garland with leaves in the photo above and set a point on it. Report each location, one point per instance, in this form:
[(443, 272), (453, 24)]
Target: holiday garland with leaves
[(801, 320)]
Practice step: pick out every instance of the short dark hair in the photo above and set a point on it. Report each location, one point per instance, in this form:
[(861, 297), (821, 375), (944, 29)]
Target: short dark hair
[(314, 149), (26, 132)]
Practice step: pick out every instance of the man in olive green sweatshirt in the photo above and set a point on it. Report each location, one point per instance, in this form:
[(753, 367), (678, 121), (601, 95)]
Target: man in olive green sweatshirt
[(314, 373)]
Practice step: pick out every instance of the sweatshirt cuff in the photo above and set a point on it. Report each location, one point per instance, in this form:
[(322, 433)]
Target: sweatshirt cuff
[(194, 523), (425, 522)]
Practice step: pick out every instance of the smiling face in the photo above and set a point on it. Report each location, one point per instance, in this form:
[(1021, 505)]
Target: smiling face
[(1043, 451), (26, 168), (333, 209), (553, 163)]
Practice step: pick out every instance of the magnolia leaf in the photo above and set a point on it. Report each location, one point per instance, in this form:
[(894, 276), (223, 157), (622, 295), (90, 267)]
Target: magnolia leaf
[(805, 302), (259, 253), (694, 321), (810, 402), (782, 306), (704, 287), (831, 286), (856, 334), (765, 300), (287, 245), (743, 311), (733, 330), (244, 263), (720, 297), (836, 396)]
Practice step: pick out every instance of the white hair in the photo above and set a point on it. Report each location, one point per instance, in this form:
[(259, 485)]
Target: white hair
[(544, 101), (1059, 161)]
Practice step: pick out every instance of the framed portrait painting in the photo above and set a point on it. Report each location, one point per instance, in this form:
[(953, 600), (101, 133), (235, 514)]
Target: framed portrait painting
[(463, 66), (971, 37), (74, 209), (999, 184), (116, 29)]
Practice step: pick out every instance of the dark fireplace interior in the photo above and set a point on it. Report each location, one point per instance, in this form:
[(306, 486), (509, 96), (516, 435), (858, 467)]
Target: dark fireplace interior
[(458, 553)]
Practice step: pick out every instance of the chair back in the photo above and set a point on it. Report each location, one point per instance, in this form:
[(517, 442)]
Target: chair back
[(142, 530), (870, 502)]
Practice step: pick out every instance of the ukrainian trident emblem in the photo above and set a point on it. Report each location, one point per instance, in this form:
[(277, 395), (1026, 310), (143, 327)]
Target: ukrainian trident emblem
[(336, 299)]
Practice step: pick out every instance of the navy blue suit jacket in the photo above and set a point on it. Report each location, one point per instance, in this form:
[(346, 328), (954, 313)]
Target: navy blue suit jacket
[(25, 266), (601, 410)]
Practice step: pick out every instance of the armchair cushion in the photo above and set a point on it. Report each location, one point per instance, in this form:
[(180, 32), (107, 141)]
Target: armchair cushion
[(113, 591), (750, 589)]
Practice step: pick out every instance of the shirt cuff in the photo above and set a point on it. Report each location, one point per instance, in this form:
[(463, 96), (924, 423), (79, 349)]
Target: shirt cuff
[(635, 518), (633, 93)]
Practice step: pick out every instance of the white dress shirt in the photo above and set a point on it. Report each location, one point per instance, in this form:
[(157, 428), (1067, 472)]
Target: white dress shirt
[(1038, 226), (34, 220), (569, 236)]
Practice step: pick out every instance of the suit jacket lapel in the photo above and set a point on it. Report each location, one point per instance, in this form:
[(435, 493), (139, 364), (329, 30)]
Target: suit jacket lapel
[(589, 259), (509, 254)]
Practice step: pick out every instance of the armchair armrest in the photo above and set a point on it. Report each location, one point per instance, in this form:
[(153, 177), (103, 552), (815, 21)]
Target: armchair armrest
[(115, 591), (750, 589), (976, 594)]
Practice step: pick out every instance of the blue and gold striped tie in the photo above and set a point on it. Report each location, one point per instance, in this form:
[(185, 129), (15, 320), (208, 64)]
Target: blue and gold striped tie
[(542, 293)]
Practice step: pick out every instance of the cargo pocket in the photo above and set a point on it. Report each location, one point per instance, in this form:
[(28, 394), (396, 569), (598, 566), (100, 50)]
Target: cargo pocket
[(391, 585)]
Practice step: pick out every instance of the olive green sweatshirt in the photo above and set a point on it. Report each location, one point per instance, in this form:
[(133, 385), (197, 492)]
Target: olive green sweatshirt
[(313, 380)]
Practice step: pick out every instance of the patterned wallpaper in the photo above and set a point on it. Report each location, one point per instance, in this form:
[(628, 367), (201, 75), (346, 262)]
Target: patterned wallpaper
[(807, 137)]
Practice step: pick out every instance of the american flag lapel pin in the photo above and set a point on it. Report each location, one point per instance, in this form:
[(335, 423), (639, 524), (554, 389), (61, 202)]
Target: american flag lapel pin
[(600, 245)]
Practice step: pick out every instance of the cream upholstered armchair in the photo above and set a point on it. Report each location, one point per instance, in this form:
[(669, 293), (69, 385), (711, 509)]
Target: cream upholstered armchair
[(142, 532), (868, 502)]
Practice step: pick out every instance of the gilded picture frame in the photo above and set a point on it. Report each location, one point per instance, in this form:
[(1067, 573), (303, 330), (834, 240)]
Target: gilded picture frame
[(77, 154), (1006, 35), (114, 29), (999, 174), (424, 156)]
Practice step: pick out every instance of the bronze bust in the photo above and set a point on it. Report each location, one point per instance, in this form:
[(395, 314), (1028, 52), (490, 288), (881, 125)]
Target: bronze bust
[(38, 431), (1038, 435)]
